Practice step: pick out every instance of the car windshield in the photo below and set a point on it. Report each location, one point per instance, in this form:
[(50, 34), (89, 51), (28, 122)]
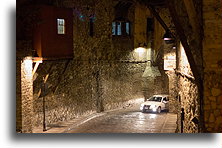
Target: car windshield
[(156, 99)]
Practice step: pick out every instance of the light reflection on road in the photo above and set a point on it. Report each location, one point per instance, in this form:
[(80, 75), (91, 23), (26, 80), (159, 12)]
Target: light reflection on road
[(125, 122)]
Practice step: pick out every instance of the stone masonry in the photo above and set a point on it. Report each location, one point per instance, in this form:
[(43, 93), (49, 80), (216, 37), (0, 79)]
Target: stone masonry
[(212, 65), (24, 88), (104, 74), (24, 101)]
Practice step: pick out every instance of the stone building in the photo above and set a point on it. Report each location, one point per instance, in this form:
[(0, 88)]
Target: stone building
[(118, 56)]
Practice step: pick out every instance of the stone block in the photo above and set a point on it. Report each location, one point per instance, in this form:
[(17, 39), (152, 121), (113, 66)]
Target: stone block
[(207, 107), (207, 102), (217, 113), (211, 98), (206, 116), (211, 118), (213, 105), (218, 120), (215, 92), (207, 93), (211, 125), (219, 100), (209, 129)]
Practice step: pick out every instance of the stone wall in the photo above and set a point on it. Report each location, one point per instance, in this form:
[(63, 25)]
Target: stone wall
[(187, 94), (24, 97), (84, 88), (212, 101), (140, 23), (212, 65), (24, 87), (103, 75)]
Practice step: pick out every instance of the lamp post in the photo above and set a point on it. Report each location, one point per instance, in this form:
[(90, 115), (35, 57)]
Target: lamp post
[(43, 94), (168, 37)]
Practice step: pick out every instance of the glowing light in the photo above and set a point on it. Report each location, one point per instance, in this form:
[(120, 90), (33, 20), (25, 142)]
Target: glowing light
[(61, 26), (140, 53), (168, 37), (37, 59), (140, 50), (28, 66)]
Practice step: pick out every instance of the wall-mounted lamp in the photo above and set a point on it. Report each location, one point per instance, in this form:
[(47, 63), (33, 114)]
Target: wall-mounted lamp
[(37, 59), (168, 38), (140, 50)]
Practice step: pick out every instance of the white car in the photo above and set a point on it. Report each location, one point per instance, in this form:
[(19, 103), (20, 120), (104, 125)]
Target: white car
[(156, 103)]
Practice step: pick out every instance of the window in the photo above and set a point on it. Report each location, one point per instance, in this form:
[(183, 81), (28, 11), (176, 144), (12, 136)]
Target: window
[(60, 26), (127, 28), (113, 28), (91, 27), (164, 99), (120, 28), (150, 24)]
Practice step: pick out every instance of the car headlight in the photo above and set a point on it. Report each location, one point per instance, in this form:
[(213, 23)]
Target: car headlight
[(152, 106)]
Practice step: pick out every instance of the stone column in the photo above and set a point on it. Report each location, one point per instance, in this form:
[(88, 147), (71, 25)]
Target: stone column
[(26, 95)]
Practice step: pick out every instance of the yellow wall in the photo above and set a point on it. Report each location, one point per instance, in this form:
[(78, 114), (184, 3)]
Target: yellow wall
[(140, 30)]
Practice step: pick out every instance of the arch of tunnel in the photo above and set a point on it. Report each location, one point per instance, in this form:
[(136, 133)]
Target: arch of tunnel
[(96, 56)]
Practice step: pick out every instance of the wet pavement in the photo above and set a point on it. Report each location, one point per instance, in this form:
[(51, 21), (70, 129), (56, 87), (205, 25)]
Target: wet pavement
[(128, 121)]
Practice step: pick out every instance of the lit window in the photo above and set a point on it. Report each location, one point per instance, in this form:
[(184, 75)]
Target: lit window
[(121, 28), (127, 28), (61, 26), (114, 28)]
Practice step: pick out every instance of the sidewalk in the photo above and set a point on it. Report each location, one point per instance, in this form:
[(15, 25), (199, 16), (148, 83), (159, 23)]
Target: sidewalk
[(64, 126)]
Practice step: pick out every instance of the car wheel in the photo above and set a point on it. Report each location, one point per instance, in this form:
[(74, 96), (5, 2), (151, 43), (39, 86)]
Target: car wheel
[(158, 110), (143, 111)]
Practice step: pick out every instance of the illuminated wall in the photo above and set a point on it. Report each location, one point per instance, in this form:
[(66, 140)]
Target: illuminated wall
[(187, 93), (24, 101)]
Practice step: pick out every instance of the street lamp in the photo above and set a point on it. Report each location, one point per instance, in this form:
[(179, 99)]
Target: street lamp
[(168, 37)]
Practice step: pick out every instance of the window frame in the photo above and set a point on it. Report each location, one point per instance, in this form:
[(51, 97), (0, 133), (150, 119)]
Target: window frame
[(124, 31), (61, 28), (91, 27)]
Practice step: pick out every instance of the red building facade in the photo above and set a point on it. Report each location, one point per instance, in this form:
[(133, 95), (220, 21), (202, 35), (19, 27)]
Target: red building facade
[(53, 33)]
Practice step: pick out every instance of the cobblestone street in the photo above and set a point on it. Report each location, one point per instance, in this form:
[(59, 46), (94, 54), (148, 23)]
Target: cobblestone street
[(129, 121)]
